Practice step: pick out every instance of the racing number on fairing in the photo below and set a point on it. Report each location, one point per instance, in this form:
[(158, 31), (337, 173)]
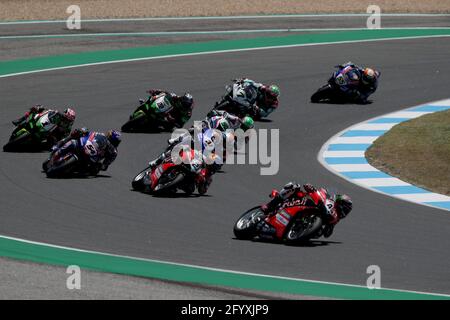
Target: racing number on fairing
[(340, 80), (90, 149), (162, 104)]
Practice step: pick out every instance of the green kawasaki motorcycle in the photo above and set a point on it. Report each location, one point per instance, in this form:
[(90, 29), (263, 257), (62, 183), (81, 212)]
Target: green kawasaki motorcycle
[(150, 116), (32, 133)]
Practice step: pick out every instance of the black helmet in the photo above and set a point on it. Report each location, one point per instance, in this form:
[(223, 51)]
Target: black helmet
[(343, 205), (187, 101)]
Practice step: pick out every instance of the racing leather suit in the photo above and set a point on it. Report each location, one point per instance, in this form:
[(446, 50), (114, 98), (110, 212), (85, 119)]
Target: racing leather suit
[(355, 88), (252, 100), (105, 152), (179, 115), (62, 129)]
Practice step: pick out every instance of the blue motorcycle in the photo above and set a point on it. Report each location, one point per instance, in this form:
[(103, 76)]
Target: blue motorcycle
[(340, 86)]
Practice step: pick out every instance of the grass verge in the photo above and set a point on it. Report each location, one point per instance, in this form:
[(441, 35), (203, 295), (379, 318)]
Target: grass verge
[(416, 151)]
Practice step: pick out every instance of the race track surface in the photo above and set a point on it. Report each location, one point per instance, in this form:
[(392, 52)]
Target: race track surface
[(408, 242)]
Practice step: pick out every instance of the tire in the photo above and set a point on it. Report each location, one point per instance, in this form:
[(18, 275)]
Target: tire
[(17, 143), (224, 105), (45, 165), (170, 185), (298, 233), (138, 181), (323, 93), (134, 124), (63, 169), (245, 226)]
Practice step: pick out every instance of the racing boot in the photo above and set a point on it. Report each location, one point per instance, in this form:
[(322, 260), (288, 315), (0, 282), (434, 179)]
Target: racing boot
[(265, 230)]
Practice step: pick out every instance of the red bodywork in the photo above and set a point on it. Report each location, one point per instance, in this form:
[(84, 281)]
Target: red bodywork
[(292, 209), (166, 165)]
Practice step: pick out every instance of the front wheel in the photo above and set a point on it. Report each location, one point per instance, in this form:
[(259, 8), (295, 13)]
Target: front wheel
[(138, 181), (304, 228), (245, 226), (323, 93), (134, 124), (17, 143), (67, 166)]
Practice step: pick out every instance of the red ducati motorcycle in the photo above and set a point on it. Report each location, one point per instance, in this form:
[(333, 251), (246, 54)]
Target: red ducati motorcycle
[(168, 177), (294, 221)]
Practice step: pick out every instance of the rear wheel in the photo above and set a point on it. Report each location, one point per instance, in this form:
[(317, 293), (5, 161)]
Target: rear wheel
[(245, 226), (322, 93), (303, 228)]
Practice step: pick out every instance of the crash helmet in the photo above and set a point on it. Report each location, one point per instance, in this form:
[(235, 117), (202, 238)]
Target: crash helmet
[(343, 205), (187, 101), (369, 76), (114, 137), (271, 93), (247, 123), (70, 115), (223, 125)]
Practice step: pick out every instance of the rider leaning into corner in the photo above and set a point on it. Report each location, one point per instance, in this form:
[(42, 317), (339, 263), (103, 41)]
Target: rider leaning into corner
[(256, 99), (105, 145), (219, 120), (334, 208), (62, 120), (182, 107), (204, 178), (361, 82)]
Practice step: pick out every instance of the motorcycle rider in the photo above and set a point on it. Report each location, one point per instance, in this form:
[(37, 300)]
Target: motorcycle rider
[(219, 120), (222, 121), (334, 208), (256, 99), (361, 82), (209, 168), (104, 147), (62, 120), (182, 107)]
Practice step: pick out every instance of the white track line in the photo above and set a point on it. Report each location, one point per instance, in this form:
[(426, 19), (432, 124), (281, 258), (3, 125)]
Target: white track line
[(319, 158), (214, 269), (228, 51)]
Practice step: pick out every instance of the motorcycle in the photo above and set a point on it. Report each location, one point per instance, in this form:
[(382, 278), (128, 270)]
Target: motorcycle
[(336, 87), (151, 115), (168, 177), (229, 102), (84, 162), (32, 134), (294, 222)]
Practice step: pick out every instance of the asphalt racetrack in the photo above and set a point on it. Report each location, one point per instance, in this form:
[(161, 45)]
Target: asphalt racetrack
[(409, 242)]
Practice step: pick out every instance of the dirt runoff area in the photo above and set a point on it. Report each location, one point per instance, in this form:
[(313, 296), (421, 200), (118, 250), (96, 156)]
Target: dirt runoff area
[(56, 9)]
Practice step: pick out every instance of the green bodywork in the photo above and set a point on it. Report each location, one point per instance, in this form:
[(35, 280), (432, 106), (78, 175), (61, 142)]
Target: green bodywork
[(35, 126)]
